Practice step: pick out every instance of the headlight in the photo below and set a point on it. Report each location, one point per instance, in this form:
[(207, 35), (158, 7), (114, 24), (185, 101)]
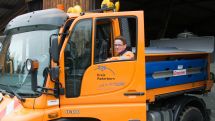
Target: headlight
[(32, 65), (28, 64)]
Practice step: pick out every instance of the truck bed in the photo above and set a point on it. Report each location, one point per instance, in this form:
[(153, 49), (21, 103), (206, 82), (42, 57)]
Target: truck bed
[(174, 72), (170, 70), (167, 50)]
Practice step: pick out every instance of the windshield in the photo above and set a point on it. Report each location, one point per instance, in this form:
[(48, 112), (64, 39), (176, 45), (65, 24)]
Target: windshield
[(17, 48)]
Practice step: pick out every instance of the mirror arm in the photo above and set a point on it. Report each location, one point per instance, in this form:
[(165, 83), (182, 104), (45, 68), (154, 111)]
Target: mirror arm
[(45, 91), (34, 80), (56, 91), (54, 76)]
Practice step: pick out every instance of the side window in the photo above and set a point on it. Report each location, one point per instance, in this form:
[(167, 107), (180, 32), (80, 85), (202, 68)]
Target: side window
[(115, 39), (103, 40), (77, 56), (128, 29)]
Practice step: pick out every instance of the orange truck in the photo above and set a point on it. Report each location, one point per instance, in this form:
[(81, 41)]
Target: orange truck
[(53, 67)]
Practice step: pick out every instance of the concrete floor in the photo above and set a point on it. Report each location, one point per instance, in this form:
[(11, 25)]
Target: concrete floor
[(210, 98), (210, 102)]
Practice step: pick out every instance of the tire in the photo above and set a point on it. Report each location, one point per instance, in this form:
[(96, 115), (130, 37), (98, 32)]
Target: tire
[(191, 114)]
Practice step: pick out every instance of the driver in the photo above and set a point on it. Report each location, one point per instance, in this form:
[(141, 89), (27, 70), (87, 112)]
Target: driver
[(120, 50)]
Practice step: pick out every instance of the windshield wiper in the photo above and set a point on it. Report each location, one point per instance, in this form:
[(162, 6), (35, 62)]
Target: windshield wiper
[(4, 92), (13, 92), (16, 94)]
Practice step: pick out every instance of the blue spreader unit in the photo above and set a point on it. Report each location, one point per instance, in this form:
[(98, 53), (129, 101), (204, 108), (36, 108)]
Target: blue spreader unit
[(159, 66)]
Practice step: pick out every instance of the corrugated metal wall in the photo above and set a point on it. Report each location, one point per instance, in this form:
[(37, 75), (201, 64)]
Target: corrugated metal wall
[(85, 4)]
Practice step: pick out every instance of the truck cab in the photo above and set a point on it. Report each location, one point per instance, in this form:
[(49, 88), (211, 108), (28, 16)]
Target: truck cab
[(89, 79), (54, 67)]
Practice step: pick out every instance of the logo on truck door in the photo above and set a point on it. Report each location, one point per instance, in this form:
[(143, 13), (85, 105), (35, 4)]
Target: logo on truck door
[(105, 73), (108, 79), (104, 68)]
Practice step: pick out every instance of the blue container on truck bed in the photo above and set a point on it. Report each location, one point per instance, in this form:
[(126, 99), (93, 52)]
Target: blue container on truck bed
[(175, 72)]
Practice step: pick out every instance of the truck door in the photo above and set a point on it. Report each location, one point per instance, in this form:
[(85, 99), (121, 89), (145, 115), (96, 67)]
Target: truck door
[(97, 89)]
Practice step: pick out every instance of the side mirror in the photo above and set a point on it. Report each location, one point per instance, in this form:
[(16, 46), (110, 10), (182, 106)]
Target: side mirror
[(54, 50), (32, 66)]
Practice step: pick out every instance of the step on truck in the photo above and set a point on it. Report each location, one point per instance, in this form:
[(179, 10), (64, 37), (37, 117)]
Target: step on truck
[(54, 67)]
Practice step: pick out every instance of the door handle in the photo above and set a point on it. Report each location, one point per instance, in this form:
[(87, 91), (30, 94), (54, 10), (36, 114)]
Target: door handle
[(134, 93)]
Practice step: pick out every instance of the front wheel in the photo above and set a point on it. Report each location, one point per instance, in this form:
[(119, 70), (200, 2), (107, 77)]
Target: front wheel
[(191, 114)]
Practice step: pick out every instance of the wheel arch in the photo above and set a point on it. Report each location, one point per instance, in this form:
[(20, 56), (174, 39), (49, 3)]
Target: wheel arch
[(179, 103)]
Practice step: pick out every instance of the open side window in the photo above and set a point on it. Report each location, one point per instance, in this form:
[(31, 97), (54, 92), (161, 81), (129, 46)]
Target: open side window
[(103, 39), (107, 29)]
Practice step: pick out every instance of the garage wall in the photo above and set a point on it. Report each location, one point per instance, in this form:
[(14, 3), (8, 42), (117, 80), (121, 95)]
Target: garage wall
[(85, 4), (35, 5)]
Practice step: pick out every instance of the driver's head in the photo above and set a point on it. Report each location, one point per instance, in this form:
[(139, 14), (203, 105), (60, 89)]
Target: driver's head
[(119, 44)]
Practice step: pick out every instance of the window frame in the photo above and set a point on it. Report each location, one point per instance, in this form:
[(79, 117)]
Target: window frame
[(112, 33), (112, 17)]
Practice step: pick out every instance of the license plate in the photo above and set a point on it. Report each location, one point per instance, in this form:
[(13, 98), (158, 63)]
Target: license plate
[(179, 72)]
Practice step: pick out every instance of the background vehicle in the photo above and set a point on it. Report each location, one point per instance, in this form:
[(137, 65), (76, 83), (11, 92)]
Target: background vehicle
[(74, 82)]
